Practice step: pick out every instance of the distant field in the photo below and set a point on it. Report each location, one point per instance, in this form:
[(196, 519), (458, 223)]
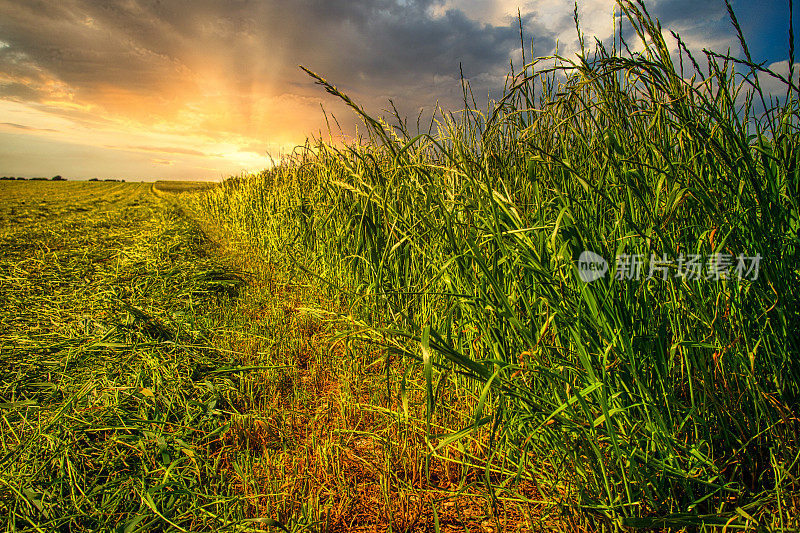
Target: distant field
[(183, 186), (23, 200)]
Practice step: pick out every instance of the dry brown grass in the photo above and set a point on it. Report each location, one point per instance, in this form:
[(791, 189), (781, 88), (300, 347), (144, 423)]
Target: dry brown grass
[(325, 446), (321, 445)]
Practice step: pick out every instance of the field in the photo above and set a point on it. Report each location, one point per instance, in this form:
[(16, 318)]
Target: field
[(109, 300), (575, 310), (154, 379), (181, 186)]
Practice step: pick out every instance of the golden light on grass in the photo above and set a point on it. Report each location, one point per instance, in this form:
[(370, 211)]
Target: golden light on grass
[(396, 333)]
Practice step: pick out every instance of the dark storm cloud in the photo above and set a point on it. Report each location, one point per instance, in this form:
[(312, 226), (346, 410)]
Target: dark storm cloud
[(378, 49), (704, 21), (110, 52)]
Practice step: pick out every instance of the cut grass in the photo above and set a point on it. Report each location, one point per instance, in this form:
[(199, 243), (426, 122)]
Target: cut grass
[(108, 401)]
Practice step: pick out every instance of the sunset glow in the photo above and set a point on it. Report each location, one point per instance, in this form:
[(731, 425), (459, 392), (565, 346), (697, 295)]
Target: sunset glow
[(203, 90)]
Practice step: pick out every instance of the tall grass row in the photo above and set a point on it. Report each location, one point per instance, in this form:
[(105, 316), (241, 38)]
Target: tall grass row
[(651, 402)]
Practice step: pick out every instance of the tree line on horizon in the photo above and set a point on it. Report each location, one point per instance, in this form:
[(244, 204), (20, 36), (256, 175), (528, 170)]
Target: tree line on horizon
[(57, 177)]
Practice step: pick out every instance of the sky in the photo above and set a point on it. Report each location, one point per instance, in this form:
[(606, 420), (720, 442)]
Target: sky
[(206, 89)]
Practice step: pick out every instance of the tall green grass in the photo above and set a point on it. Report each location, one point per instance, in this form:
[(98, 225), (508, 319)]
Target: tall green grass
[(639, 402)]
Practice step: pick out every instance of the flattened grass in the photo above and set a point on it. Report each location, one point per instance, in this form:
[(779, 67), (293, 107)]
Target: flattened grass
[(108, 396)]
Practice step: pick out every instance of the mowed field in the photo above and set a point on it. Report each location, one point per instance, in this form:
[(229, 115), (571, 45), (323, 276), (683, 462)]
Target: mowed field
[(108, 299), (154, 379)]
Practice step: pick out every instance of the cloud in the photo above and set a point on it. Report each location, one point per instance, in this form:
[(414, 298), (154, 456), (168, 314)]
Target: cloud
[(234, 54), (775, 87), (114, 52), (700, 23), (228, 71), (164, 150), (26, 128)]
